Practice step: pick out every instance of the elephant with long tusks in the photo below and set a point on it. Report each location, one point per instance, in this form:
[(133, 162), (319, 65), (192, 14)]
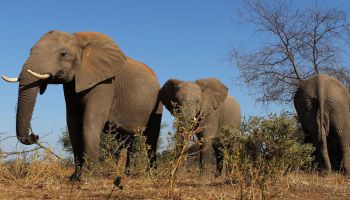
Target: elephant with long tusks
[(100, 84)]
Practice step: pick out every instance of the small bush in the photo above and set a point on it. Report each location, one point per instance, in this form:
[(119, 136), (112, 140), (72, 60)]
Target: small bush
[(185, 128), (113, 156), (139, 160), (265, 150), (64, 141), (111, 152)]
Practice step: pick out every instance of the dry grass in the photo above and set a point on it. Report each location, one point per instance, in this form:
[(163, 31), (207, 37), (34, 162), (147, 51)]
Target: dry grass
[(46, 178), (315, 186)]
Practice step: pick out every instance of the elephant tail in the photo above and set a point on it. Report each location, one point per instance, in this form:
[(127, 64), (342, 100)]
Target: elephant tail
[(321, 98)]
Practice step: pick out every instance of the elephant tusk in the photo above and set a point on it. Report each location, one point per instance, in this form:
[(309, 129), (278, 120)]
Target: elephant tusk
[(8, 79), (39, 76)]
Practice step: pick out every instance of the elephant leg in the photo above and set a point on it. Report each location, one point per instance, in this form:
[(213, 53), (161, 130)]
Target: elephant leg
[(206, 150), (74, 123), (335, 152), (91, 140), (92, 127), (341, 129), (320, 142), (346, 156), (325, 156), (219, 155), (205, 154), (345, 144), (131, 144), (97, 107), (322, 139), (311, 126), (121, 145), (125, 140), (152, 135)]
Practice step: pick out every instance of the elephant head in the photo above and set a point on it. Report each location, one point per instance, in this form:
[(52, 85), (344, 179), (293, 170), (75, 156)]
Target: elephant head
[(84, 58), (200, 97)]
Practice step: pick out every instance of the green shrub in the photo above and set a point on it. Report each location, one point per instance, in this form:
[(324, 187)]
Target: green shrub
[(64, 141), (139, 159), (110, 150), (266, 149)]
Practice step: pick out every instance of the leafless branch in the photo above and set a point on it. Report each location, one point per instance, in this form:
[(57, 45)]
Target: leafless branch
[(49, 150), (7, 154), (4, 154), (296, 44)]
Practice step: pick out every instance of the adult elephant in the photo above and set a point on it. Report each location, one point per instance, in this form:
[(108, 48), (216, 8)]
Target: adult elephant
[(322, 104), (206, 97), (100, 84)]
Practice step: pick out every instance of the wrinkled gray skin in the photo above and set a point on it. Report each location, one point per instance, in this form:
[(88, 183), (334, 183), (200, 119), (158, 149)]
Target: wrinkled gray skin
[(100, 83), (208, 97), (322, 104)]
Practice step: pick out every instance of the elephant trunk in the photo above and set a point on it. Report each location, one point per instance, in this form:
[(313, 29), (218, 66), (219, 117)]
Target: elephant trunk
[(27, 93)]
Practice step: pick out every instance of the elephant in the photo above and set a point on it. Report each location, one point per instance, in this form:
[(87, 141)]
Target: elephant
[(207, 97), (100, 84), (322, 105)]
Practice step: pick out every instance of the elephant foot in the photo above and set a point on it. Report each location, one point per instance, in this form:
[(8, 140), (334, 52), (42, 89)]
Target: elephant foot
[(75, 177)]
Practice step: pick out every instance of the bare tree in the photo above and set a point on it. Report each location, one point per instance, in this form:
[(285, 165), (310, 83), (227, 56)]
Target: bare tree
[(294, 44)]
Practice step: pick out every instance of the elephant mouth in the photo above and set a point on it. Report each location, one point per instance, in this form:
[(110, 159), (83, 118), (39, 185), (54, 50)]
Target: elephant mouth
[(43, 87)]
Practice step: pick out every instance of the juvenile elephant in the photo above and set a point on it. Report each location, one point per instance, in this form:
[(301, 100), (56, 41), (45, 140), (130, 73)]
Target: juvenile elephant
[(100, 84), (322, 104), (209, 97)]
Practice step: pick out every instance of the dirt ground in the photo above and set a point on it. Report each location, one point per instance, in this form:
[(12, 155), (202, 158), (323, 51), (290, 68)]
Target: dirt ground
[(190, 186)]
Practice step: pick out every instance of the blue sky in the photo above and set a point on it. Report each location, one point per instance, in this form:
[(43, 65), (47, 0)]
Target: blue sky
[(183, 39)]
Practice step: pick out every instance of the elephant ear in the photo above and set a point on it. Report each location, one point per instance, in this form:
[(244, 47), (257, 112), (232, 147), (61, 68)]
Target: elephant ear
[(214, 93), (167, 93), (99, 61)]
